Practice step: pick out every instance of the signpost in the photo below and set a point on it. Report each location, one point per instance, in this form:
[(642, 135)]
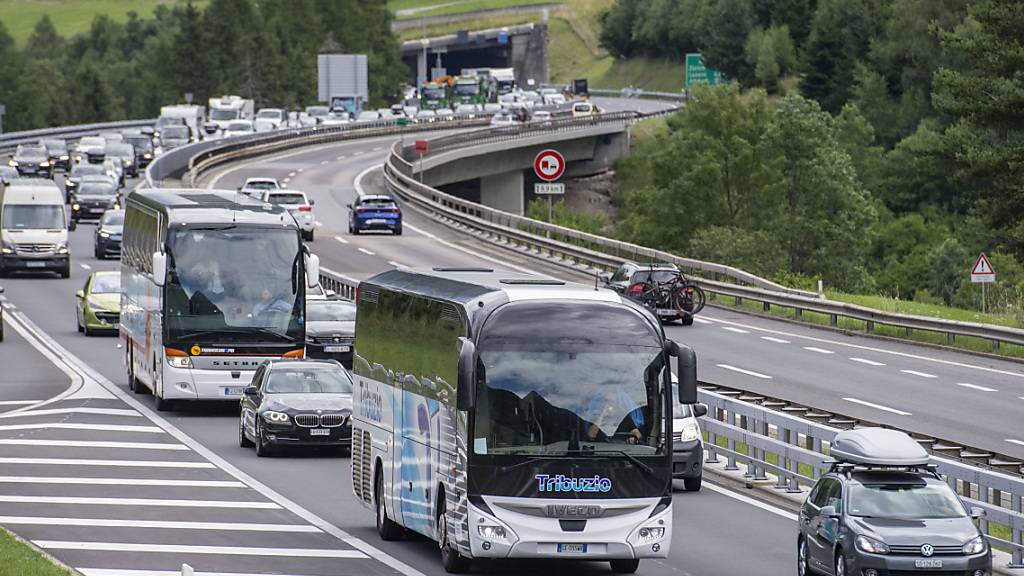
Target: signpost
[(983, 273), (549, 165), (421, 148), (699, 75)]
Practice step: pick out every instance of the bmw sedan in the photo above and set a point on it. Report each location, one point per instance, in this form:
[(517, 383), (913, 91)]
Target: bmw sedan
[(297, 402), (107, 243), (330, 330), (98, 303)]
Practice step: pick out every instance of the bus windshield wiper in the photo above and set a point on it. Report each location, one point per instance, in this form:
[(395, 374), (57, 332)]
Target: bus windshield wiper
[(636, 461), (228, 332)]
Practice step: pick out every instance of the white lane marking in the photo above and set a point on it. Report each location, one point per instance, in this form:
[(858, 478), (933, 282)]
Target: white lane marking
[(79, 410), (105, 463), (292, 174), (18, 499), (397, 264), (776, 340), (872, 349), (342, 157), (325, 162), (82, 426), (367, 252), (878, 406), (1015, 441), (120, 523), (19, 402), (85, 267), (868, 362), (736, 330), (91, 444), (976, 387), (818, 350), (299, 170), (921, 374), (126, 572), (702, 321), (319, 224), (183, 549), (751, 501), (742, 371), (340, 239), (286, 180), (378, 148), (357, 153), (121, 481)]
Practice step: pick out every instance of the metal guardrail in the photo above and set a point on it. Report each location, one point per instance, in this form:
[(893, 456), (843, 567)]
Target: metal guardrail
[(795, 451), (638, 93), (11, 140)]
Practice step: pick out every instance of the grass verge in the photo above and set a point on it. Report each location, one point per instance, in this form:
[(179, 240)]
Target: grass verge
[(480, 24), (19, 559), (72, 17), (888, 304)]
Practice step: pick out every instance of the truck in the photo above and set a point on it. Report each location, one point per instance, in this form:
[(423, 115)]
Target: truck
[(193, 115), (435, 95), (351, 103), (504, 80), (470, 90), (226, 109)]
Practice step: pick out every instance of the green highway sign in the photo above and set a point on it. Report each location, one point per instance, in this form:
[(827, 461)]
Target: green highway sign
[(699, 75)]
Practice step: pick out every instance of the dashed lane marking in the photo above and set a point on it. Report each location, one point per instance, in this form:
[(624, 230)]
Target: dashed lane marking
[(367, 252), (742, 371), (85, 267), (378, 148), (325, 162), (878, 406), (736, 330), (776, 340), (976, 387), (868, 362), (183, 549), (292, 174), (397, 264), (342, 157), (121, 523), (19, 499), (105, 463), (340, 239), (92, 444), (1015, 441), (78, 410), (121, 482), (124, 572), (702, 321), (82, 426), (818, 350), (920, 374)]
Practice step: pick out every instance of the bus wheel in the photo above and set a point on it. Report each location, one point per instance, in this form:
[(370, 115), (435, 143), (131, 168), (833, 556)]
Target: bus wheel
[(162, 405), (387, 528), (625, 566), (453, 562)]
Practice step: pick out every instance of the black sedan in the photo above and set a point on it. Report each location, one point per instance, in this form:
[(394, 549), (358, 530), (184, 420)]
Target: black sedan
[(32, 161), (296, 403), (330, 330), (60, 156), (108, 235), (79, 171), (94, 196)]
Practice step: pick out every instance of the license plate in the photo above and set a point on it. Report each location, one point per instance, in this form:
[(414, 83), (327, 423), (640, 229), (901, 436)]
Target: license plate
[(97, 210), (927, 563), (667, 312), (319, 432), (35, 264), (232, 390), (572, 548), (376, 221), (336, 348)]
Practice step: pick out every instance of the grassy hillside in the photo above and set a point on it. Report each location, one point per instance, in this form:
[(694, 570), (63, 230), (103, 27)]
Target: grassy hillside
[(441, 7), (71, 16)]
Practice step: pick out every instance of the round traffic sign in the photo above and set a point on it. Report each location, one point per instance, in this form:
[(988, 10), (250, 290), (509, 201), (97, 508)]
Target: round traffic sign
[(549, 165)]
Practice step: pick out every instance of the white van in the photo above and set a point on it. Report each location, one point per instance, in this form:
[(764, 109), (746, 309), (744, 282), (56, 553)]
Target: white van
[(33, 228)]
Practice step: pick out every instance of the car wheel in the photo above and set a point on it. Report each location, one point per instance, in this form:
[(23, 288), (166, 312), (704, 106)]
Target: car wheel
[(86, 331), (625, 566), (243, 440), (692, 484), (355, 231), (309, 238), (66, 272), (1, 329), (687, 320), (78, 323), (398, 231), (386, 527), (453, 562), (263, 449), (840, 564), (802, 568)]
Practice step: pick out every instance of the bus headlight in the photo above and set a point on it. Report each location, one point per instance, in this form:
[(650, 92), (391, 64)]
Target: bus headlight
[(651, 534), (271, 416), (690, 432), (491, 532), (179, 361)]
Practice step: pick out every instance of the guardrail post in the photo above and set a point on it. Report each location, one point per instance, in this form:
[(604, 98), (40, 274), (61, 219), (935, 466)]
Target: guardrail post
[(995, 345), (767, 307), (951, 338), (739, 300), (869, 326), (782, 482), (983, 495), (910, 331), (796, 313), (1017, 535), (833, 319)]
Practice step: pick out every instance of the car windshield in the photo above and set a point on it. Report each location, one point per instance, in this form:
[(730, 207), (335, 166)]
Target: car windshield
[(679, 410), (32, 217), (659, 276), (905, 501), (433, 93), (326, 380), (288, 198), (221, 114), (92, 141), (330, 312), (87, 170), (96, 188), (272, 114), (55, 145), (32, 153), (244, 283), (175, 132), (113, 218), (556, 379), (469, 89), (120, 150), (261, 185), (377, 203), (169, 121), (105, 284), (141, 143), (239, 127)]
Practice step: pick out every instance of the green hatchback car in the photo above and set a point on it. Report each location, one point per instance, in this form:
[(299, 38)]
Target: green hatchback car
[(98, 303)]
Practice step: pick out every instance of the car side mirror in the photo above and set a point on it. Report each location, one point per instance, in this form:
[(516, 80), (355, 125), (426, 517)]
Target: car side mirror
[(72, 224), (250, 391), (349, 206), (465, 392), (312, 270), (686, 370), (312, 202), (828, 512), (80, 294), (159, 268), (977, 513), (1, 289), (699, 410)]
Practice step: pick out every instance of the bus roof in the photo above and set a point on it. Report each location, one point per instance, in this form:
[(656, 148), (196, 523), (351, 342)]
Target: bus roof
[(211, 207)]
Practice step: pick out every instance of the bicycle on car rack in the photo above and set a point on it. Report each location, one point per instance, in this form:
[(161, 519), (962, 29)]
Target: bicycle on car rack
[(679, 297)]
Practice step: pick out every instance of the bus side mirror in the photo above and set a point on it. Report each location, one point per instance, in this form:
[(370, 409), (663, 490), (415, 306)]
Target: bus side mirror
[(159, 268), (465, 392), (312, 270), (686, 371)]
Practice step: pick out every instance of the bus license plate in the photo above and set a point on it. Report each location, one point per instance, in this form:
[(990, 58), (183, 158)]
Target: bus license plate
[(927, 563), (572, 548), (319, 432), (232, 390), (336, 348)]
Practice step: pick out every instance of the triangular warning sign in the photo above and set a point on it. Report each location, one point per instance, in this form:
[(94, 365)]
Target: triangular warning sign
[(982, 267)]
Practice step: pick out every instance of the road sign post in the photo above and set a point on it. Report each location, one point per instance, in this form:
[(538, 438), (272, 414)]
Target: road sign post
[(983, 273), (421, 148), (549, 165)]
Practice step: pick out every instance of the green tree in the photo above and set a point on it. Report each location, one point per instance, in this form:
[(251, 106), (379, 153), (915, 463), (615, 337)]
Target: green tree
[(840, 35), (617, 28), (726, 25), (755, 251), (45, 42), (947, 261), (93, 98), (766, 69)]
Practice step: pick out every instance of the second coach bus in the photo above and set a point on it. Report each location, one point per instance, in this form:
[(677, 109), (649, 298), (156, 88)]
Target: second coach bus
[(512, 416), (213, 283)]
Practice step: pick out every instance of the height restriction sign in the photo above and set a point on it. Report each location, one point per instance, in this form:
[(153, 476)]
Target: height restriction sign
[(549, 165)]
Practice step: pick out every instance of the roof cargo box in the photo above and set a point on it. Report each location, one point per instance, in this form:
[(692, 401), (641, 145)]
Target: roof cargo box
[(878, 447)]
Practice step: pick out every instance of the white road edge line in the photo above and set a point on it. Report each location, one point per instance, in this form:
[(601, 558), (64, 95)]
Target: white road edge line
[(185, 549), (1015, 441), (105, 463), (121, 482), (878, 406), (976, 387), (818, 350), (397, 264), (921, 374), (79, 410), (702, 320), (127, 572), (868, 362), (751, 501), (18, 499), (92, 444), (776, 340), (742, 371), (19, 402), (121, 523), (81, 426)]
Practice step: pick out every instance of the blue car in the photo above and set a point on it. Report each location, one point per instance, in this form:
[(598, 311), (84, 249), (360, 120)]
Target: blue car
[(374, 212)]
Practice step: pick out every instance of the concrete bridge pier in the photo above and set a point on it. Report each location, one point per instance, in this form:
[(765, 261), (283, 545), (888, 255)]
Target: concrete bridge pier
[(503, 192)]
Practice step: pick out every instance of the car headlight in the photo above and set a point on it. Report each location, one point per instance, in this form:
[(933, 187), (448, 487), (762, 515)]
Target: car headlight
[(62, 248), (78, 158), (690, 432), (70, 183), (651, 533), (76, 206), (44, 163), (104, 234), (147, 155), (127, 162), (13, 163), (976, 546), (490, 532), (6, 248), (179, 361), (871, 546), (96, 305), (65, 157), (272, 416)]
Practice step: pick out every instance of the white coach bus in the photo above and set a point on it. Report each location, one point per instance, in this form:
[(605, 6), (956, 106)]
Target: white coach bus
[(512, 416), (212, 284)]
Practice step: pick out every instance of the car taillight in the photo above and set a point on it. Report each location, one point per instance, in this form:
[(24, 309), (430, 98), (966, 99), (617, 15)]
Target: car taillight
[(636, 289), (395, 211), (360, 210), (305, 208)]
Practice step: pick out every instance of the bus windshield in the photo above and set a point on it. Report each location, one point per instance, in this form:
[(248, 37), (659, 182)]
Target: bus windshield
[(557, 379), (433, 93), (467, 89), (222, 114), (235, 284)]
